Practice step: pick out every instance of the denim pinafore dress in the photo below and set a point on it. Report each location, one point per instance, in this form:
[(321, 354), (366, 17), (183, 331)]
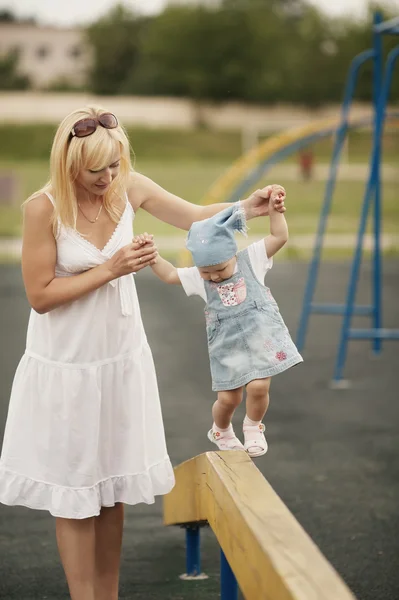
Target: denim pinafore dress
[(247, 337)]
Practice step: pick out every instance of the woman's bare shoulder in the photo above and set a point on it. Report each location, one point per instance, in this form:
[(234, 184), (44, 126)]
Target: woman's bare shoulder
[(139, 189), (39, 206), (38, 212)]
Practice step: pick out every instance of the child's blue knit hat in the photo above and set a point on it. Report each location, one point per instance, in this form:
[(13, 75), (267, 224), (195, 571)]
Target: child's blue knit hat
[(212, 241)]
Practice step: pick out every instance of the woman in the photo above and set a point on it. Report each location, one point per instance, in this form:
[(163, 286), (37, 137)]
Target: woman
[(84, 433)]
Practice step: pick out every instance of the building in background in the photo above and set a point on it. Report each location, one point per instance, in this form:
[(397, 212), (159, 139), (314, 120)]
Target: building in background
[(47, 55)]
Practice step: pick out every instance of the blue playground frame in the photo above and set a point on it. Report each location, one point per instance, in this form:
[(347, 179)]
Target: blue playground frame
[(228, 581), (372, 199)]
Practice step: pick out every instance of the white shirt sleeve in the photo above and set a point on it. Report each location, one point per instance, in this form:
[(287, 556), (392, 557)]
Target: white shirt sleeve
[(260, 262), (192, 282)]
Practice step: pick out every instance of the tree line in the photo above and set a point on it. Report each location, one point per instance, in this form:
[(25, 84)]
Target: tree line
[(261, 51)]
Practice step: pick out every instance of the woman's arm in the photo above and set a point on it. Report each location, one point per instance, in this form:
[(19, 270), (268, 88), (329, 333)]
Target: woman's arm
[(44, 290), (171, 209)]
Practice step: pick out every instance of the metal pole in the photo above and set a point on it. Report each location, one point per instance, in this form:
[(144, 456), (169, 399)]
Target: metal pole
[(193, 554), (228, 582), (357, 62), (345, 330), (379, 111)]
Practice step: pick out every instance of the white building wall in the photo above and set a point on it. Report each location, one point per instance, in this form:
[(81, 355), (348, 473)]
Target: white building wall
[(47, 54)]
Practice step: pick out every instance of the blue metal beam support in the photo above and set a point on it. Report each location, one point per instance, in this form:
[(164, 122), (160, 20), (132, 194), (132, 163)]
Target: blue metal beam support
[(378, 131), (346, 332), (339, 309), (228, 582), (357, 63), (372, 334), (193, 552)]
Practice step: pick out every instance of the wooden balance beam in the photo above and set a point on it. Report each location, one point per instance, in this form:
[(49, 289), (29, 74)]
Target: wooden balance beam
[(271, 555)]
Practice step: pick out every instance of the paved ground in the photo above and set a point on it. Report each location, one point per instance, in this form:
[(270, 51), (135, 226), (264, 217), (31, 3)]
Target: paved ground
[(333, 455)]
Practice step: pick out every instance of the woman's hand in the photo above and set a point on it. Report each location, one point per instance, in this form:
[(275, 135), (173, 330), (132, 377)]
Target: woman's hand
[(257, 205), (135, 256)]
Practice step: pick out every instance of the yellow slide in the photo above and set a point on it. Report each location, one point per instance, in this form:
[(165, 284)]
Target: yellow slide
[(273, 150), (220, 190)]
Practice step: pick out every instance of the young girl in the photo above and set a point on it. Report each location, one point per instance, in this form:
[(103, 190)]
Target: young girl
[(248, 341)]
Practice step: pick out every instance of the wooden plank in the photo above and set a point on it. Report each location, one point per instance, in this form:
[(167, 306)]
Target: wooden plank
[(271, 555), (184, 504)]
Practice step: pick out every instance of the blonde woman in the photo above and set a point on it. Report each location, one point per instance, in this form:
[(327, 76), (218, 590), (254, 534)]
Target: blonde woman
[(84, 433)]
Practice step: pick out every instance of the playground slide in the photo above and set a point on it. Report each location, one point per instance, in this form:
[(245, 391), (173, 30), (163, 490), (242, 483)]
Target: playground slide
[(246, 171)]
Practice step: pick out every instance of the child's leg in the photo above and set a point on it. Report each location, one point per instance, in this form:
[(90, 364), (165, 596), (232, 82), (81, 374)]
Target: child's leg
[(257, 405), (225, 405), (222, 433), (257, 398)]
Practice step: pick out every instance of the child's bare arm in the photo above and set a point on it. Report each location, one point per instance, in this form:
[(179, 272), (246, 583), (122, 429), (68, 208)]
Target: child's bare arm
[(162, 268), (166, 271), (278, 225)]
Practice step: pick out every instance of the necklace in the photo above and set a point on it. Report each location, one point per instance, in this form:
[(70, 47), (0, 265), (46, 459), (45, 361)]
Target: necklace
[(87, 218)]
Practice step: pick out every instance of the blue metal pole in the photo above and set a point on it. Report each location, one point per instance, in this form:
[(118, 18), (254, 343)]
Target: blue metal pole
[(345, 330), (193, 554), (228, 582), (379, 111), (357, 62)]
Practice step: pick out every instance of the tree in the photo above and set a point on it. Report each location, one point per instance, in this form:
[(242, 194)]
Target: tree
[(6, 16), (253, 50), (207, 54), (10, 79), (116, 41)]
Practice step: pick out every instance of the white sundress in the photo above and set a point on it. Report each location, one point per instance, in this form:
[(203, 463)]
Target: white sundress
[(84, 426)]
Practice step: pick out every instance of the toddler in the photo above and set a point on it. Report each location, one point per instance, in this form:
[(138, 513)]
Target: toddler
[(248, 341)]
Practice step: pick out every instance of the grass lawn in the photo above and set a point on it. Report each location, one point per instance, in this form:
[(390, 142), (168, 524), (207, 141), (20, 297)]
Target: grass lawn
[(191, 180), (33, 142)]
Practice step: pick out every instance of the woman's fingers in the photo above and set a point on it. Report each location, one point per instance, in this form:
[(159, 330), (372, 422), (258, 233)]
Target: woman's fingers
[(141, 262), (145, 251)]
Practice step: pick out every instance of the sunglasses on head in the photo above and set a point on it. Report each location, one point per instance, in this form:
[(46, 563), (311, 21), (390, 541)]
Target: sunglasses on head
[(87, 126)]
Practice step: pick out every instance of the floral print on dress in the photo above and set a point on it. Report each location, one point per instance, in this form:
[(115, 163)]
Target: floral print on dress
[(268, 345), (281, 356), (232, 294)]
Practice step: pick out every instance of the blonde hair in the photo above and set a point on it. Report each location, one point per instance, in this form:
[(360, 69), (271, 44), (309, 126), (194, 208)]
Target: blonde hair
[(94, 152)]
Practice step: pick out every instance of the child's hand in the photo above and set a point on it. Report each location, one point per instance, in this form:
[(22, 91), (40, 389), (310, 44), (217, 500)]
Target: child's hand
[(143, 239), (276, 195), (277, 198), (258, 203)]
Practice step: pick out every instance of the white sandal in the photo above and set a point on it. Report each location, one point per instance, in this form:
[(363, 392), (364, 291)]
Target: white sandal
[(255, 442), (225, 440)]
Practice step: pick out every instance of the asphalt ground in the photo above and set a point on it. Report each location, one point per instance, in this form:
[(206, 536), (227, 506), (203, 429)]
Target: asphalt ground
[(333, 455)]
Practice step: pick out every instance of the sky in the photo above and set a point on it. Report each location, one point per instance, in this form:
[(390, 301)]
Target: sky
[(81, 12)]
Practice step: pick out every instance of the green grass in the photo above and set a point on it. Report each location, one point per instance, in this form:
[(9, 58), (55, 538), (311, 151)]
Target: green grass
[(191, 180), (33, 142)]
